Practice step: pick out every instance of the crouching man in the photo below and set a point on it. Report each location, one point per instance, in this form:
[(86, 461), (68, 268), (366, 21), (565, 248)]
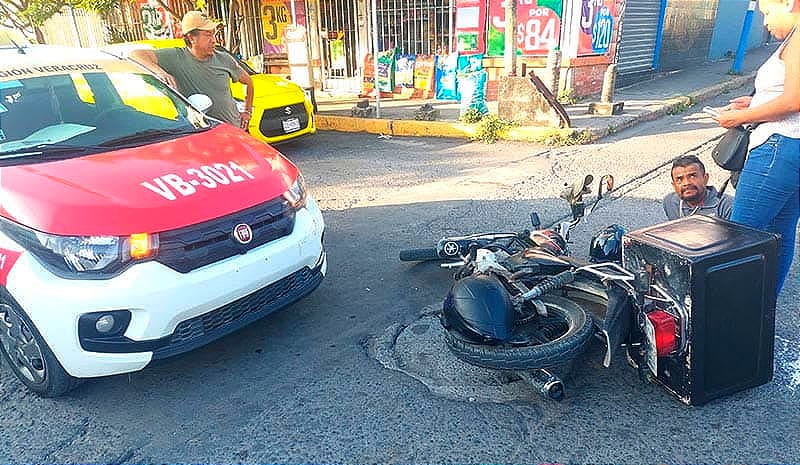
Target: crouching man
[(692, 195)]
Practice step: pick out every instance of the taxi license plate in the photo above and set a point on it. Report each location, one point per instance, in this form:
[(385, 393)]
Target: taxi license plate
[(291, 124)]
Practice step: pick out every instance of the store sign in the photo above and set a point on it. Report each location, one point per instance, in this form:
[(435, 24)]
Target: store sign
[(157, 24), (598, 19), (538, 26), (276, 15), (470, 26)]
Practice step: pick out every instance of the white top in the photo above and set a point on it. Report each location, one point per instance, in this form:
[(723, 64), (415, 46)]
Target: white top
[(769, 85)]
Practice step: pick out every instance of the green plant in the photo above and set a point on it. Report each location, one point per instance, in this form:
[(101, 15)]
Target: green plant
[(680, 105), (471, 115), (561, 137), (490, 128), (567, 96)]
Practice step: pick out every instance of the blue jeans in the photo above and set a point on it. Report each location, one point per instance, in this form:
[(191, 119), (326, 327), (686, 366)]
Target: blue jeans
[(768, 195)]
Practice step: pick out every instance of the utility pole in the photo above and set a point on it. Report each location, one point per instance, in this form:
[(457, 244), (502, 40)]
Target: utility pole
[(740, 50), (510, 55)]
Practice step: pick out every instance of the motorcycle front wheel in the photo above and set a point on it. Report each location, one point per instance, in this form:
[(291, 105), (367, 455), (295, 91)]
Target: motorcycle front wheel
[(544, 342)]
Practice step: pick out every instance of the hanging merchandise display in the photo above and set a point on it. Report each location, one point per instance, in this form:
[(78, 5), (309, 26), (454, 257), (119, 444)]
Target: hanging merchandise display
[(404, 70), (471, 83), (446, 77), (368, 81), (424, 75), (384, 81)]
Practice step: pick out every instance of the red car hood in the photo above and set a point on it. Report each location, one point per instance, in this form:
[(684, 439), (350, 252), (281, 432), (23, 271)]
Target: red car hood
[(152, 188)]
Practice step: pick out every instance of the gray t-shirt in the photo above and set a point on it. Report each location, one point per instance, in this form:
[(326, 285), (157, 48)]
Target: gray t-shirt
[(713, 205), (211, 77)]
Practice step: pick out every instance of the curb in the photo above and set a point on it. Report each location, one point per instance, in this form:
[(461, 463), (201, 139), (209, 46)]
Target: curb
[(677, 104), (541, 134)]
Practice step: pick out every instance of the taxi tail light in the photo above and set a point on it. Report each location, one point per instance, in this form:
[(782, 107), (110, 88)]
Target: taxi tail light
[(143, 245), (665, 327)]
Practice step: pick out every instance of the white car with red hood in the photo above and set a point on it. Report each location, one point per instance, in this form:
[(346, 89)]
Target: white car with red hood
[(132, 226)]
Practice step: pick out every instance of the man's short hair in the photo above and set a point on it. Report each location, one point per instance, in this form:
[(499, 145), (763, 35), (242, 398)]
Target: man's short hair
[(686, 160)]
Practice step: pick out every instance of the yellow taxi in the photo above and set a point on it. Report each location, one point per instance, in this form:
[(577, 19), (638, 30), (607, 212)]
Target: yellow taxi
[(281, 109)]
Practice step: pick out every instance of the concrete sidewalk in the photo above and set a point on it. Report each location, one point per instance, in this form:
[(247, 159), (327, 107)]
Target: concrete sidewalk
[(644, 101)]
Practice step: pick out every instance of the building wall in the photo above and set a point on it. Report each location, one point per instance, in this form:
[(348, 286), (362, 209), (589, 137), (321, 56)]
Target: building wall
[(728, 28), (688, 27)]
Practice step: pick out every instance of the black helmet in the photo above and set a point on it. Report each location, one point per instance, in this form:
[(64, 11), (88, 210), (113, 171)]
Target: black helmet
[(606, 245), (479, 310), (550, 241)]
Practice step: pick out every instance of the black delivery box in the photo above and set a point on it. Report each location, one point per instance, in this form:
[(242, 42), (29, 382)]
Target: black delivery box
[(724, 274)]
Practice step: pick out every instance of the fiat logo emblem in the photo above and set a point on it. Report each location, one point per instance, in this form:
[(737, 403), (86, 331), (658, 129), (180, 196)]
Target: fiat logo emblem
[(288, 110), (242, 233)]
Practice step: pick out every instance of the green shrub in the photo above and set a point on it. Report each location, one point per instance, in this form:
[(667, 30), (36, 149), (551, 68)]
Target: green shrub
[(471, 116), (490, 128), (567, 97)]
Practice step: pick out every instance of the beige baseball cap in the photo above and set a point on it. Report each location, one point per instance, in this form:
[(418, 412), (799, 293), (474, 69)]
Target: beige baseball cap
[(197, 20)]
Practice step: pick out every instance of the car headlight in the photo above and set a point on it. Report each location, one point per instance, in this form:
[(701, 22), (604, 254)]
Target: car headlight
[(83, 253), (296, 195), (84, 256)]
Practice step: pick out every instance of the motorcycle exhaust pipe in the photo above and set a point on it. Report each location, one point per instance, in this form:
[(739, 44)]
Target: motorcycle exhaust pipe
[(545, 383)]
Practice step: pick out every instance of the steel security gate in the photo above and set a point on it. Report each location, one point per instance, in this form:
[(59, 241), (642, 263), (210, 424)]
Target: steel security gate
[(638, 40), (418, 27), (343, 27)]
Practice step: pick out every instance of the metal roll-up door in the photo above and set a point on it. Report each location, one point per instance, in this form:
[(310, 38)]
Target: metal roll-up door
[(638, 40)]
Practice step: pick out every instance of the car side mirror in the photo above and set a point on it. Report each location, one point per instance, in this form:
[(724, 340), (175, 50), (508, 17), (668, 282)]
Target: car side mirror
[(201, 102)]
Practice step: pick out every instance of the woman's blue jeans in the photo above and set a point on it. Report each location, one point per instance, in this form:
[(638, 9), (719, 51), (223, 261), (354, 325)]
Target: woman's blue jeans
[(768, 195)]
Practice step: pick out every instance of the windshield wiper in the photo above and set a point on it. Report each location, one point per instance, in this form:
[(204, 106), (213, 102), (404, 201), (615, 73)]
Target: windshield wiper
[(148, 135), (56, 150)]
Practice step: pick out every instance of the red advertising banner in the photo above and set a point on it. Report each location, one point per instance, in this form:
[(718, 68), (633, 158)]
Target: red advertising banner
[(598, 20), (538, 26), (470, 26)]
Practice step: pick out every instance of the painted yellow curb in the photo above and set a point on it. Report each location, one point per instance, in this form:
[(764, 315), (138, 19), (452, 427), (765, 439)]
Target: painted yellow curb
[(432, 128)]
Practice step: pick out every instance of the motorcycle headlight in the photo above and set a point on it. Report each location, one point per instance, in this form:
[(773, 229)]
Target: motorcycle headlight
[(296, 195), (84, 256)]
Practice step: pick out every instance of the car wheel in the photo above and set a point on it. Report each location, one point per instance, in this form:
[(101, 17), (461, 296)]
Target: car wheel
[(29, 357)]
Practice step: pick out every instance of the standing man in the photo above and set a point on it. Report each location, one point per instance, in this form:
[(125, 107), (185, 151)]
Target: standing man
[(199, 68), (689, 179)]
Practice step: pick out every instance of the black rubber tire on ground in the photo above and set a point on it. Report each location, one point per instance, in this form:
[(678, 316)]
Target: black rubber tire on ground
[(56, 380), (419, 255), (554, 353)]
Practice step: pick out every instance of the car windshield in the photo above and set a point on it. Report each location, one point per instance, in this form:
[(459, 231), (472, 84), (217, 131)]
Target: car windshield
[(90, 111)]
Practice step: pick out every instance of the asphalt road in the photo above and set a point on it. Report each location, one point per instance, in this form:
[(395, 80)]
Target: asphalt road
[(357, 371)]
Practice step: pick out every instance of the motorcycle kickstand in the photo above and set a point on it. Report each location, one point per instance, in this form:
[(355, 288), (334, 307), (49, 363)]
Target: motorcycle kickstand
[(547, 384)]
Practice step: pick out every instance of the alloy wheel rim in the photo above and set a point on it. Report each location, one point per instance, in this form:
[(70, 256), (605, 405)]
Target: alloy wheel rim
[(20, 345)]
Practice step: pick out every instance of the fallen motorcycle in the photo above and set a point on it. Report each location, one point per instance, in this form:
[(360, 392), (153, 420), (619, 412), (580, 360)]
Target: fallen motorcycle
[(519, 301)]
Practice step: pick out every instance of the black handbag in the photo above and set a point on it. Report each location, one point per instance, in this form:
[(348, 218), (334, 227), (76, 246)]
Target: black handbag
[(731, 151)]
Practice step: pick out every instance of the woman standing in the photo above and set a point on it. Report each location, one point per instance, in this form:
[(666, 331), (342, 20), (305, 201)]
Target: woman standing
[(768, 193)]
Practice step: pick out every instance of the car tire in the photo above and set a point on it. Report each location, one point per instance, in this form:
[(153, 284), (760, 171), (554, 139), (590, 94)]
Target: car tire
[(29, 357)]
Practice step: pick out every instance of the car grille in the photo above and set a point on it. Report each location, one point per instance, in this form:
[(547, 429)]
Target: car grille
[(201, 244), (272, 119), (228, 318)]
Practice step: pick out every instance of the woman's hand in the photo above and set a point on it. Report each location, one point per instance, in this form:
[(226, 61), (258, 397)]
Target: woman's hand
[(730, 118), (740, 103)]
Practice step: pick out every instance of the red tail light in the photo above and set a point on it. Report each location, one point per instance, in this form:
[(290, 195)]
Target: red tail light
[(665, 329)]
